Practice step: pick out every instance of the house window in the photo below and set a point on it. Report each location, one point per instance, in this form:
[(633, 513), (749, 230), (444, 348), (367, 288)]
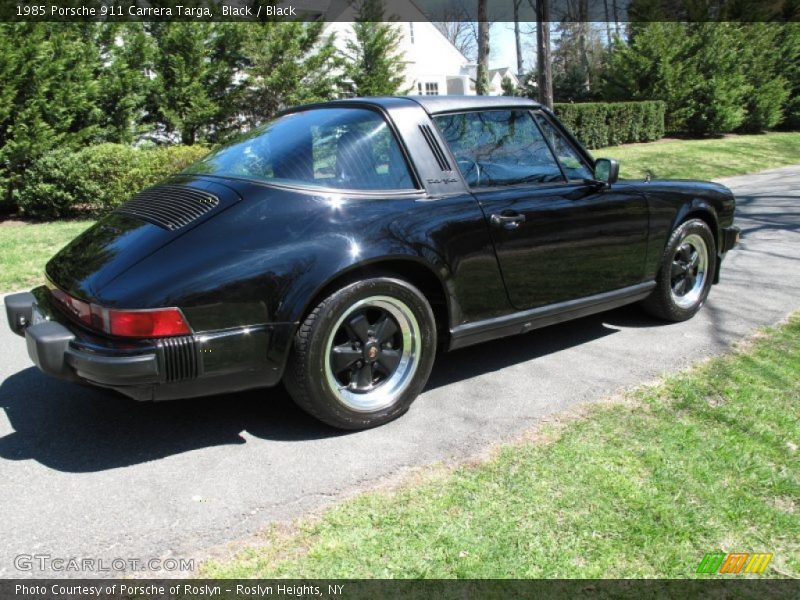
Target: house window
[(419, 89), (411, 31), (431, 89)]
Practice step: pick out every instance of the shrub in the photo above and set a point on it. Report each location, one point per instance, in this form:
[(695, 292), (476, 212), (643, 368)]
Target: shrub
[(599, 124), (714, 77), (52, 186), (96, 179)]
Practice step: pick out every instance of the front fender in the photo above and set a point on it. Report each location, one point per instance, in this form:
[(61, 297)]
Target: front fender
[(698, 207), (673, 201)]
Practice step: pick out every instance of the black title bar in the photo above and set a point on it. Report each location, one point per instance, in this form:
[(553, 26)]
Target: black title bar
[(399, 10), (408, 589)]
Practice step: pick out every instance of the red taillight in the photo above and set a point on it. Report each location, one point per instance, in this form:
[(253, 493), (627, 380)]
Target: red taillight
[(159, 322), (147, 323)]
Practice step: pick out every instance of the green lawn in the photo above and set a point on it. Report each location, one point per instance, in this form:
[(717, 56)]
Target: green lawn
[(642, 486), (705, 159), (26, 247)]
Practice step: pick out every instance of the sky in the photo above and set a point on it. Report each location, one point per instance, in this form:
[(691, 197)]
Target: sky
[(503, 53)]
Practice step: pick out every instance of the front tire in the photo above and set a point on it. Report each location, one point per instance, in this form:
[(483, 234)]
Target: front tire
[(687, 271), (363, 355)]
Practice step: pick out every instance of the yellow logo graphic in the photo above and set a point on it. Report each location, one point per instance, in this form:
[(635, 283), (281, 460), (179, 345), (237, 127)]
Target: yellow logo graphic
[(734, 562)]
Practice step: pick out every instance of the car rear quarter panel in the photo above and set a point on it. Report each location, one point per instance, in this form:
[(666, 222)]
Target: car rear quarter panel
[(267, 258)]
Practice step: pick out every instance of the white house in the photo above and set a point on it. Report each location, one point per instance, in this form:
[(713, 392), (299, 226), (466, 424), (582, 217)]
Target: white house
[(496, 77), (433, 65)]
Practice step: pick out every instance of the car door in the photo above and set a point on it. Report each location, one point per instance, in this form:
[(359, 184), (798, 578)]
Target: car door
[(558, 235)]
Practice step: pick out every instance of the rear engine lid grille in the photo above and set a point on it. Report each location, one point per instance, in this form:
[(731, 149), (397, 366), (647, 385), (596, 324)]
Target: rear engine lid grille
[(169, 206)]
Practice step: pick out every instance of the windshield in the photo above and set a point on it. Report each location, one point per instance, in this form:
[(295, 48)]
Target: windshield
[(345, 148)]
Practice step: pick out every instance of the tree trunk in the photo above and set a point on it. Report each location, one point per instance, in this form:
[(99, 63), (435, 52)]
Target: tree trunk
[(544, 66), (518, 42), (616, 16), (188, 136), (482, 83), (583, 35), (608, 24)]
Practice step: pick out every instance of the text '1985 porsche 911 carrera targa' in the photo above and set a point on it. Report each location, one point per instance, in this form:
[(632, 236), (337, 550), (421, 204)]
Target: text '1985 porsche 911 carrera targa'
[(338, 246)]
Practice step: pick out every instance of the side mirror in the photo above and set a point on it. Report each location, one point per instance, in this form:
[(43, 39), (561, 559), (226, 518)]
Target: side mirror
[(606, 170)]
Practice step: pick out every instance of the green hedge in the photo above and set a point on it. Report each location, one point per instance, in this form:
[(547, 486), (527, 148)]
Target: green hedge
[(599, 124), (96, 179)]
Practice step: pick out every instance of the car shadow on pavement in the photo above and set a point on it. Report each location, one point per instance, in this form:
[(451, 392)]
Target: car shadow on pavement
[(73, 428)]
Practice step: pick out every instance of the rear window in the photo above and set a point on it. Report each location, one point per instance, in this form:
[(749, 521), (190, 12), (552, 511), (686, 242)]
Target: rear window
[(344, 148)]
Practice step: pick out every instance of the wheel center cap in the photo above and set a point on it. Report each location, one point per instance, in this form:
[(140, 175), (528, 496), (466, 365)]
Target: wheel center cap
[(371, 352)]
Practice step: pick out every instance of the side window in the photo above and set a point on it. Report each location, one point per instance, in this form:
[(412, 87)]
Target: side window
[(498, 148), (344, 148), (358, 155), (569, 158)]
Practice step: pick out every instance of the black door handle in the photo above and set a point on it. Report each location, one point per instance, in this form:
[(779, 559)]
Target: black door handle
[(507, 221)]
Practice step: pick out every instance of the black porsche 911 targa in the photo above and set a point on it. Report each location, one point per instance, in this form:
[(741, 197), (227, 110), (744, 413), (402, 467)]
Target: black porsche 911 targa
[(336, 247)]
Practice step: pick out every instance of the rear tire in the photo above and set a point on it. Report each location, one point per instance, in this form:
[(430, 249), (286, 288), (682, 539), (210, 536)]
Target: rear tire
[(363, 355), (687, 271)]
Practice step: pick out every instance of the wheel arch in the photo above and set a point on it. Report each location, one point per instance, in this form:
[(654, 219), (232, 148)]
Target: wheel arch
[(699, 209), (414, 271)]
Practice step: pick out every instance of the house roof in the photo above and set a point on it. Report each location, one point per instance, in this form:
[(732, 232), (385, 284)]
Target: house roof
[(503, 72)]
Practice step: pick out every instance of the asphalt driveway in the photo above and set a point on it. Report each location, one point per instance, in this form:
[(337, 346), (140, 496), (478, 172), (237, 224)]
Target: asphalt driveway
[(84, 473)]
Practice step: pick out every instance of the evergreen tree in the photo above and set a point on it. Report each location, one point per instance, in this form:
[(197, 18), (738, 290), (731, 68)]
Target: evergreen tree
[(195, 82), (578, 61), (288, 63), (48, 96), (529, 85), (648, 68), (227, 64), (790, 70), (716, 85), (769, 89), (695, 68), (128, 54), (374, 67), (508, 87)]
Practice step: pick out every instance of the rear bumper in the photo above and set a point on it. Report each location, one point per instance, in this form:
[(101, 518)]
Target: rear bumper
[(179, 367), (53, 349)]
